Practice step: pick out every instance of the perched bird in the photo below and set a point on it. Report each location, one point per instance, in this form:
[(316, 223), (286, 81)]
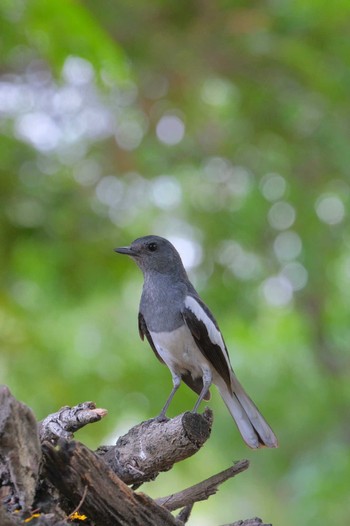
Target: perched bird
[(185, 336)]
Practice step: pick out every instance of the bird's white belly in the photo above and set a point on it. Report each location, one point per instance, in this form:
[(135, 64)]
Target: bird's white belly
[(180, 352)]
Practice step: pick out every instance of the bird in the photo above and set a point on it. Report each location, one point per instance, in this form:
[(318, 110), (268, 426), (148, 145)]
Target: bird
[(185, 336)]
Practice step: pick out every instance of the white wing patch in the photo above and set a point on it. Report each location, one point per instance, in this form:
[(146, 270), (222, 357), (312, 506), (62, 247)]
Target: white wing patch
[(213, 332)]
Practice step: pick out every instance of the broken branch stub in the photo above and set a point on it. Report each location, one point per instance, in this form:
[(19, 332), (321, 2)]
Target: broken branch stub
[(68, 420), (153, 446)]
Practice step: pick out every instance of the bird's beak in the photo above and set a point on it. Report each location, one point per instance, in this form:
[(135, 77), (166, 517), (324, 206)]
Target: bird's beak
[(125, 250)]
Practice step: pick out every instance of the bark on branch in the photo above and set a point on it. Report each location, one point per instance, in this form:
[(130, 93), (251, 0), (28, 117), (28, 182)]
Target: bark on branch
[(20, 451), (249, 522), (203, 490), (71, 467), (153, 446), (68, 420)]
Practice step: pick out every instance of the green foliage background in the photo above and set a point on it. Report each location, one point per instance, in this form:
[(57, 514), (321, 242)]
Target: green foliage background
[(257, 186)]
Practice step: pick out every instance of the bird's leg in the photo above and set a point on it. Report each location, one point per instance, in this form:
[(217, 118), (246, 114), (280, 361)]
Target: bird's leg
[(176, 385), (207, 379)]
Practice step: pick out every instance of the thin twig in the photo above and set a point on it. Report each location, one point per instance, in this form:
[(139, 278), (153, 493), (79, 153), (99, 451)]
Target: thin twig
[(80, 503), (203, 490)]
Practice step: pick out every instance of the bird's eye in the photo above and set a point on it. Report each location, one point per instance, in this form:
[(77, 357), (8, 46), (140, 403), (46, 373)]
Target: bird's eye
[(152, 247)]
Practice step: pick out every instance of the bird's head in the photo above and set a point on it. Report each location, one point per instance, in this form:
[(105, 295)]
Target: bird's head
[(154, 254)]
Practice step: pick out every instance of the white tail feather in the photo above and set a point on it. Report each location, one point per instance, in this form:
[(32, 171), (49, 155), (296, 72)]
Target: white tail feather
[(254, 429)]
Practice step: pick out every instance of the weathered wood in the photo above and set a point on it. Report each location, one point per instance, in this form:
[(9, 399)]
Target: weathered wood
[(71, 477), (203, 490), (249, 522), (71, 467), (5, 519), (20, 451), (153, 446), (185, 513), (68, 420)]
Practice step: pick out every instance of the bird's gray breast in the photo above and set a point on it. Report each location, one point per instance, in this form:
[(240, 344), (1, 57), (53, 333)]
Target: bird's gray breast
[(162, 303)]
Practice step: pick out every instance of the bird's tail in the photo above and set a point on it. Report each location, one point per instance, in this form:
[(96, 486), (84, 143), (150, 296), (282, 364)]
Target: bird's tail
[(254, 429)]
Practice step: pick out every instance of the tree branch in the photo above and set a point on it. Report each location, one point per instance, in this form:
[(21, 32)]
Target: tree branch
[(249, 522), (68, 420), (153, 446), (203, 490)]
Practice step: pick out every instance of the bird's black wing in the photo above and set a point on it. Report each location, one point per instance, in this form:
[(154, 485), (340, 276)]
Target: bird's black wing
[(143, 331), (207, 336)]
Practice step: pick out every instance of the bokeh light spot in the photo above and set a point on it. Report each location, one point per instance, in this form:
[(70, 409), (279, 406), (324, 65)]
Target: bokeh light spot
[(281, 215), (273, 186), (287, 246), (170, 129), (243, 264), (129, 135), (77, 71), (87, 172), (39, 129), (330, 209), (67, 100), (296, 274), (166, 192), (277, 291), (110, 190), (218, 92), (190, 251)]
